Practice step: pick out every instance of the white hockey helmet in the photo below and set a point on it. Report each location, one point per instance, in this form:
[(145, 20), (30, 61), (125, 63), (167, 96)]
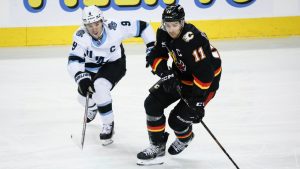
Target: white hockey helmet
[(91, 14)]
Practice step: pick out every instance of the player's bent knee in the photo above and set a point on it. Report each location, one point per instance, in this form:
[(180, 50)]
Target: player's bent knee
[(102, 84), (102, 91), (152, 106), (177, 123)]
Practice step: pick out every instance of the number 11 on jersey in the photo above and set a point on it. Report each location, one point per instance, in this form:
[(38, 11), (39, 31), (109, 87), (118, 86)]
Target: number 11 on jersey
[(199, 54)]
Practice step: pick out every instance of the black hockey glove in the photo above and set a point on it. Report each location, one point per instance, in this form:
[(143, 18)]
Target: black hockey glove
[(84, 82), (147, 61), (169, 81), (150, 46), (197, 107)]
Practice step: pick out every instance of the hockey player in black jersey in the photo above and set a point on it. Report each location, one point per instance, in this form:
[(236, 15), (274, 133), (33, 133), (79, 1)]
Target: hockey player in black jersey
[(193, 79)]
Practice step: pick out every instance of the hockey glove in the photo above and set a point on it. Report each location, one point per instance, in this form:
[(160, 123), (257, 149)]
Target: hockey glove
[(169, 81), (148, 59), (197, 107), (84, 82), (150, 46)]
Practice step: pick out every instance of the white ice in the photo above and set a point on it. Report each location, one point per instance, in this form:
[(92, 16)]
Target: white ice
[(255, 114)]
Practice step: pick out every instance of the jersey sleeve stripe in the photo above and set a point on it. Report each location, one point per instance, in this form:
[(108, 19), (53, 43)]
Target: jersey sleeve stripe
[(141, 26), (93, 65), (200, 84), (73, 58), (218, 71), (138, 29), (187, 82), (156, 63)]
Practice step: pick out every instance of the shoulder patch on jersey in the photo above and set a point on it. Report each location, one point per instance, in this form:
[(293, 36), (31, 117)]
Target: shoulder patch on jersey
[(80, 33), (188, 36), (112, 25)]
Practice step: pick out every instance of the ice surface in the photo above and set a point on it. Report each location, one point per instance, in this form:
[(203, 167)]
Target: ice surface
[(255, 114)]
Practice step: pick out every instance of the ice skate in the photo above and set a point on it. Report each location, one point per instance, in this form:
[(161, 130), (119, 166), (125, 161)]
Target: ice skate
[(91, 115), (178, 146), (154, 154), (107, 133)]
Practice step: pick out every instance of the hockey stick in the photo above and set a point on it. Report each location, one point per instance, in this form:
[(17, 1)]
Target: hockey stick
[(207, 129), (204, 125), (85, 118), (158, 85), (211, 134)]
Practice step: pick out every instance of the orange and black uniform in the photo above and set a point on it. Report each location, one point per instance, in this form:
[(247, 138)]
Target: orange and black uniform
[(198, 68)]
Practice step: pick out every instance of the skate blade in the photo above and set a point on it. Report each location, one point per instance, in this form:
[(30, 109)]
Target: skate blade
[(156, 161), (106, 142)]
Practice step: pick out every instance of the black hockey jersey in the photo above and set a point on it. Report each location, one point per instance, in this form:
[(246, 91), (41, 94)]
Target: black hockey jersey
[(197, 63)]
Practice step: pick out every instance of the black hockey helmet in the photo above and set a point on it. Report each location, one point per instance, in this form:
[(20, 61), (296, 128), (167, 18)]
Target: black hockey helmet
[(173, 13)]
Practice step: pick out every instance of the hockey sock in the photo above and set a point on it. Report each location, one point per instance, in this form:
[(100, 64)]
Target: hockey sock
[(184, 135), (106, 113), (156, 129)]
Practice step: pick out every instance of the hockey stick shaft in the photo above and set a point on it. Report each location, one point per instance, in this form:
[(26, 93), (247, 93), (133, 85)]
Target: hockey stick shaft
[(85, 118), (219, 144), (211, 134)]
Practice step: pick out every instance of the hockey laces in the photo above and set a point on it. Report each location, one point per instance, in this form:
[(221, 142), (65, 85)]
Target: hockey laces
[(151, 150), (178, 145), (106, 128)]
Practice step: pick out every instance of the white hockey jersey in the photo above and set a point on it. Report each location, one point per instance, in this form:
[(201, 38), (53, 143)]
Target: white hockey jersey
[(88, 54)]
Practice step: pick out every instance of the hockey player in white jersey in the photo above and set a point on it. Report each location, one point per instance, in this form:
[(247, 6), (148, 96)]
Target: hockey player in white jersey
[(97, 61)]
